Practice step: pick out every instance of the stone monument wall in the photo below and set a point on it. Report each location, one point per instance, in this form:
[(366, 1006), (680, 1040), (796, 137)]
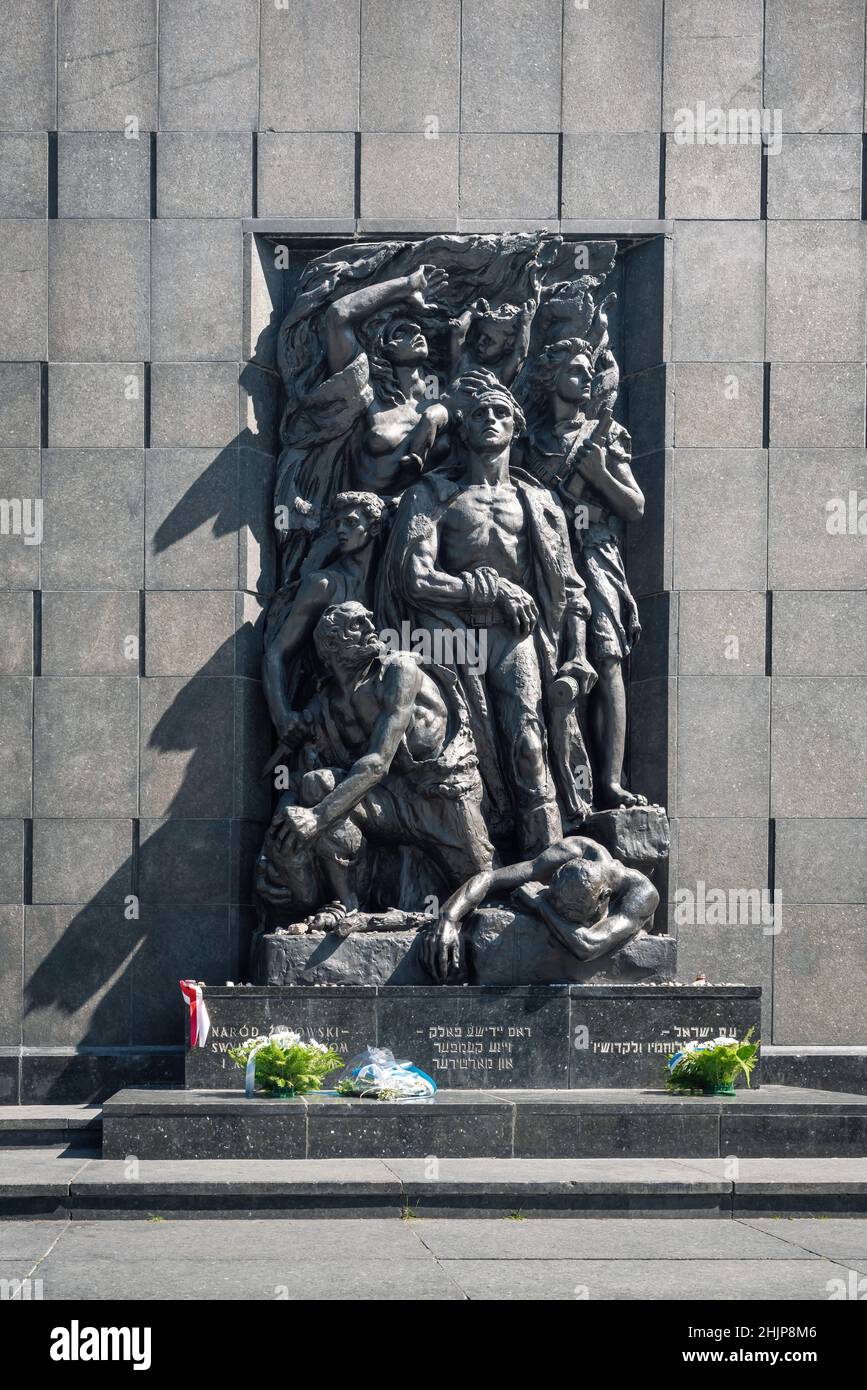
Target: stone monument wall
[(151, 160)]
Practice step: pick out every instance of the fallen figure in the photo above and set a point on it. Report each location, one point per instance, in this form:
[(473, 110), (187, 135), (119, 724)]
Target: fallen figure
[(587, 898)]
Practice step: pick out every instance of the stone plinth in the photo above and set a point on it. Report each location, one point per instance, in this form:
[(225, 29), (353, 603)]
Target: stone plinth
[(481, 1037), (780, 1121), (503, 948)]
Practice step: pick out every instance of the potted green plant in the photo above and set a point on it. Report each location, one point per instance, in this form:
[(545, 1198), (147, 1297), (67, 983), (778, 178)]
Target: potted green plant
[(284, 1065), (711, 1067)]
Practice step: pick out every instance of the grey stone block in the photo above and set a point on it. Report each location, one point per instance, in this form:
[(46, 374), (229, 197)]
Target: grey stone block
[(196, 291), (821, 861), (263, 302), (611, 175), (506, 948), (306, 174), (16, 755), (20, 404), (184, 861), (508, 175), (103, 174), (820, 976), (510, 65), (192, 519), (107, 64), (719, 278), (261, 409), (204, 175), (85, 746), (652, 739), (11, 861), (190, 634), (75, 860), (20, 481), (76, 982), (309, 66), (807, 490), (186, 747), (252, 749), (209, 69), (820, 634), (194, 404), (713, 53), (647, 289), (721, 634), (651, 400), (27, 65), (16, 624), (23, 175), (98, 275), (319, 958), (649, 542), (818, 403), (720, 521), (93, 518), (722, 852), (816, 291), (249, 623), (814, 68), (422, 39), (88, 633), (655, 656), (729, 954), (408, 176), (23, 291), (817, 746), (718, 403), (722, 742), (11, 954), (817, 176), (246, 841), (182, 942), (96, 405), (612, 67), (256, 548), (712, 181)]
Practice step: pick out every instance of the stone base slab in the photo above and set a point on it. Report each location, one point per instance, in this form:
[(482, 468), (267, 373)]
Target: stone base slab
[(485, 1037), (502, 948), (774, 1122)]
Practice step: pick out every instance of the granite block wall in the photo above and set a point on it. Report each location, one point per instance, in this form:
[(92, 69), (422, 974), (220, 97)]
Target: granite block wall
[(150, 155)]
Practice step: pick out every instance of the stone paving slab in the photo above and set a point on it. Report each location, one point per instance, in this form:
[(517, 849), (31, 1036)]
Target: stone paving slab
[(645, 1280), (328, 1239), (425, 1259), (245, 1278), (605, 1239), (835, 1239), (28, 1240)]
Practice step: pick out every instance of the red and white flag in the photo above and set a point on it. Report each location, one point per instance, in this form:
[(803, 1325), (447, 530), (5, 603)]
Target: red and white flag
[(200, 1022)]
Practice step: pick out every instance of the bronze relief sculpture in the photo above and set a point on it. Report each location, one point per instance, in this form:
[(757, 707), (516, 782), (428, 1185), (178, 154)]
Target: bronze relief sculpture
[(444, 654)]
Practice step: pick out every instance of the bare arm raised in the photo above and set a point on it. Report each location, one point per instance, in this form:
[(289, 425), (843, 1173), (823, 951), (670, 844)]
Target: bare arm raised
[(344, 314)]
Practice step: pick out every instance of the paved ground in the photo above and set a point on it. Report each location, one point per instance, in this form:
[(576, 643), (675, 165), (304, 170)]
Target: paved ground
[(438, 1259)]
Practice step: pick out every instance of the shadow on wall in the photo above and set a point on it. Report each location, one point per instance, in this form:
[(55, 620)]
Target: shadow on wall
[(180, 905)]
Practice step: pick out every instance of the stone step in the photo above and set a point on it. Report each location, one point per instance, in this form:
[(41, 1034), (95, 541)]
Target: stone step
[(62, 1184), (776, 1121), (28, 1126)]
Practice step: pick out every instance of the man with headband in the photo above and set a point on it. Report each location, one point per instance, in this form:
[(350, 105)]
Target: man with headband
[(480, 546)]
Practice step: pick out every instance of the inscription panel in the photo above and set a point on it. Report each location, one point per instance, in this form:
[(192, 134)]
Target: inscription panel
[(532, 1037)]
